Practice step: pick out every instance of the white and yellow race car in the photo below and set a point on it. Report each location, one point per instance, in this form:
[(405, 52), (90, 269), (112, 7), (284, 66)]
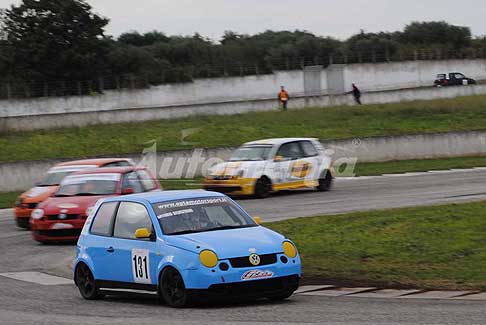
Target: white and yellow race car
[(264, 166)]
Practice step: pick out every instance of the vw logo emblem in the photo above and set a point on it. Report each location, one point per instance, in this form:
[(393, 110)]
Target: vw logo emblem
[(254, 259), (62, 216)]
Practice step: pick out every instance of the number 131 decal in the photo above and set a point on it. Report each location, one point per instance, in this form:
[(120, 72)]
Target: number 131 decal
[(141, 266)]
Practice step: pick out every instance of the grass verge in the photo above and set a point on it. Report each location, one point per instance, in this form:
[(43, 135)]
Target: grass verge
[(439, 247), (7, 199), (459, 114)]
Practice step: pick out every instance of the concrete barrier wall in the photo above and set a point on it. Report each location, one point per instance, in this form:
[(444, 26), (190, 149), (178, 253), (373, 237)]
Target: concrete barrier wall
[(203, 94), (408, 74), (35, 122), (200, 91), (21, 175)]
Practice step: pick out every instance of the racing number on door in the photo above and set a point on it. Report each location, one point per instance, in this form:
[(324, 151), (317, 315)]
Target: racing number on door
[(141, 266)]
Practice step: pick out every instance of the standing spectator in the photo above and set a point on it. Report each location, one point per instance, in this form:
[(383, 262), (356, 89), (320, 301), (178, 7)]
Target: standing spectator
[(283, 98), (357, 94)]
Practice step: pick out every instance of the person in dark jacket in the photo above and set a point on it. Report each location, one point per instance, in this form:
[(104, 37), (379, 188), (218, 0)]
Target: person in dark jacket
[(357, 94)]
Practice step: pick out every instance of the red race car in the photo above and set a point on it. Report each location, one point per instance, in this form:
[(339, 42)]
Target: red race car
[(30, 199), (61, 217)]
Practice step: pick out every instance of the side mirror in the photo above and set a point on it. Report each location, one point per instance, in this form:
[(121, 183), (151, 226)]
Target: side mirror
[(143, 233), (127, 191), (257, 220), (278, 158)]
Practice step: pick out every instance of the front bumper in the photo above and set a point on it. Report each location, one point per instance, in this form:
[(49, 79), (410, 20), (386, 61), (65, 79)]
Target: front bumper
[(258, 288), (237, 186), (235, 277), (22, 212), (56, 230)]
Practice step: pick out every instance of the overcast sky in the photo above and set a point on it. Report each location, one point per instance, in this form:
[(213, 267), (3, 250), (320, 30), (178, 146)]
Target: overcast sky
[(337, 18)]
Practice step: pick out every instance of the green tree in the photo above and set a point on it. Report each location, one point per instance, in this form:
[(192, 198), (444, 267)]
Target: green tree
[(370, 47), (438, 33), (136, 39), (56, 40)]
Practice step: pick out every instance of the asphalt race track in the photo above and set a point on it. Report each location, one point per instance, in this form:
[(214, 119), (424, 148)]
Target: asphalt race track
[(372, 193), (24, 302)]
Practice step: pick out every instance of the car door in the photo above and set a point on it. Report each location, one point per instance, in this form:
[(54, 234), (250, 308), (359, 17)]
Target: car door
[(461, 79), (286, 156), (100, 244), (134, 260), (307, 168)]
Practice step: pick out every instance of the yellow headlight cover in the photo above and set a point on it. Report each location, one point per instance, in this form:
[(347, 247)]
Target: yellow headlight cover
[(208, 258), (289, 249)]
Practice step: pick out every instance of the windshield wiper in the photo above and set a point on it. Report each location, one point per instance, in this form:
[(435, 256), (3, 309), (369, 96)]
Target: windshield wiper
[(87, 194), (227, 227), (185, 232)]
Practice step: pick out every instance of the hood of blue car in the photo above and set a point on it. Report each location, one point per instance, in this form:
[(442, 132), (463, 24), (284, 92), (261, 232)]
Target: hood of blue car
[(231, 243)]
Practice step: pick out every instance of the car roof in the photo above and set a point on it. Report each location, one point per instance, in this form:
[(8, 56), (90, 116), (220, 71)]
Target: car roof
[(277, 141), (165, 196), (96, 161), (108, 170)]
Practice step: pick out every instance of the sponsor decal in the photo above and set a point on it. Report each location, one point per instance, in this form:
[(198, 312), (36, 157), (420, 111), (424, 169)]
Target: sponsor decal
[(301, 169), (80, 179), (67, 169), (254, 259), (175, 213), (188, 203), (256, 274)]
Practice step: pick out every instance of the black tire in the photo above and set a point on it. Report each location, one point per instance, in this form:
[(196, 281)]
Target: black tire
[(281, 296), (325, 182), (172, 289), (85, 282), (263, 188)]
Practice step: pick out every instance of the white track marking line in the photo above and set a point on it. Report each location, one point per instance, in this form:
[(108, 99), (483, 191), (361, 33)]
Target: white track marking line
[(37, 277), (437, 295), (338, 292), (309, 288)]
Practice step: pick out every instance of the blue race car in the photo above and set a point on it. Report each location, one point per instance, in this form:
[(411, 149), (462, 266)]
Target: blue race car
[(179, 244)]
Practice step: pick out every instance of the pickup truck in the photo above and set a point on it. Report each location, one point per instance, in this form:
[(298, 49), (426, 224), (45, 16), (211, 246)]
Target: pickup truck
[(453, 79)]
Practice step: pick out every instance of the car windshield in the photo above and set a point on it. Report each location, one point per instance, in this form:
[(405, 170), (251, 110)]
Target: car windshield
[(54, 178), (200, 215), (89, 185), (55, 175), (251, 153)]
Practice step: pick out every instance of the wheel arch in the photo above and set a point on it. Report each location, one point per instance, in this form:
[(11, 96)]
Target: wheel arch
[(265, 176), (164, 266), (76, 265)]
